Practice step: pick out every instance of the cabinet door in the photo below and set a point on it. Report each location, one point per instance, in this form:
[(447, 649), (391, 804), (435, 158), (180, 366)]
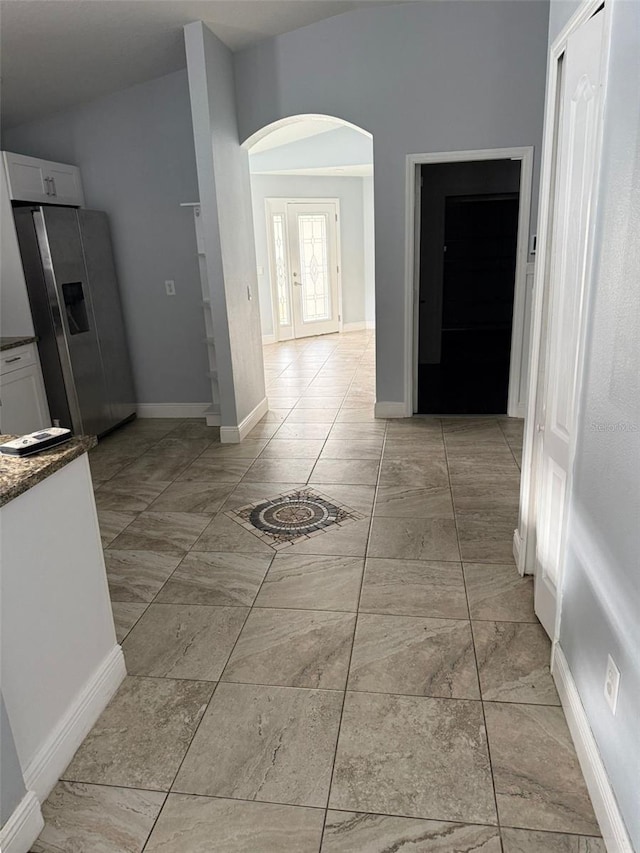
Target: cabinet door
[(65, 183), (26, 178), (23, 406)]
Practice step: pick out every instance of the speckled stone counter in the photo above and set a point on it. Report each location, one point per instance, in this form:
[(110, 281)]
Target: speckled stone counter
[(18, 475), (12, 342)]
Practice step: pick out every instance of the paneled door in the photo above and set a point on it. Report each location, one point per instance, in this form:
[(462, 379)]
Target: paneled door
[(305, 267), (568, 270)]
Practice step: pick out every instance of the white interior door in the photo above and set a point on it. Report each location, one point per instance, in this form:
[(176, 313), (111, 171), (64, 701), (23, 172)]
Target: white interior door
[(313, 265), (580, 93)]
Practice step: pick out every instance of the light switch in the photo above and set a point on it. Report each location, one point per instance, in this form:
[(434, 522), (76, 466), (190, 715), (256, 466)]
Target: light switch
[(170, 287)]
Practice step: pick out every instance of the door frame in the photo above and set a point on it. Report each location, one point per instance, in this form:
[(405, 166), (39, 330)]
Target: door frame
[(524, 537), (412, 264), (268, 211)]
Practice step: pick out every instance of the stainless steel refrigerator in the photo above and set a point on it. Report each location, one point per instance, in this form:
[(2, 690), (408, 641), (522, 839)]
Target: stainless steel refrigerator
[(75, 303)]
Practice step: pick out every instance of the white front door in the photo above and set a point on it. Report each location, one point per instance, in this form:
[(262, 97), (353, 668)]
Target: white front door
[(569, 250), (305, 267)]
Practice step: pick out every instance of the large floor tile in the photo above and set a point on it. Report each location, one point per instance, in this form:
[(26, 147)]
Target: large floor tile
[(537, 777), (248, 449), (293, 448), (125, 616), (351, 431), (183, 641), (274, 744), (138, 575), (486, 536), (247, 492), (182, 448), (347, 471), (526, 841), (407, 654), (142, 735), (112, 523), (424, 472), (414, 502), (312, 582), (414, 428), (280, 470), (193, 497), (303, 430), (224, 534), (105, 467), (97, 818), (482, 466), (353, 832), (154, 467), (415, 757), (323, 415), (414, 539), (497, 592), (202, 825), (162, 531), (211, 469), (128, 495), (216, 578), (513, 662), (356, 497), (414, 588), (293, 648), (362, 448)]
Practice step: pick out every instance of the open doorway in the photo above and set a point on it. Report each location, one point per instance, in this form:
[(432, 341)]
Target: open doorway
[(468, 241), (467, 253), (312, 193)]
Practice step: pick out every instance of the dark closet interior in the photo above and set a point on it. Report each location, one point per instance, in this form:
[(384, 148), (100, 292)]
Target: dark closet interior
[(468, 241)]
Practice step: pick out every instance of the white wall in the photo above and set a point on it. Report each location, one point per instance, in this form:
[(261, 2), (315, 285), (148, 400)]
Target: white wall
[(135, 152), (421, 77), (601, 595), (352, 219), (225, 196), (15, 314), (12, 788)]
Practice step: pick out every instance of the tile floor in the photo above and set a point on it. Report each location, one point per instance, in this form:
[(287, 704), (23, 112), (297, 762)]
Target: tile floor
[(382, 686)]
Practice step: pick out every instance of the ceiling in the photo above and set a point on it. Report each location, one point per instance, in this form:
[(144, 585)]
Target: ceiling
[(304, 128), (58, 53)]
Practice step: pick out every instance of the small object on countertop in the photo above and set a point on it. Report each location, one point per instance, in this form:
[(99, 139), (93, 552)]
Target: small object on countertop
[(35, 442)]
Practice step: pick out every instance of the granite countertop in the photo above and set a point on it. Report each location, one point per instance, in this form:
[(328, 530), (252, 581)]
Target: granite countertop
[(18, 475), (16, 341)]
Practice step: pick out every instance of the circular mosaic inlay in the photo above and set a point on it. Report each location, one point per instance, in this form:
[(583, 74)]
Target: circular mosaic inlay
[(293, 516)]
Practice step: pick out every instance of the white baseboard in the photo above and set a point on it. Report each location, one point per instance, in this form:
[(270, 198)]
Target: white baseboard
[(233, 435), (390, 410), (517, 550), (46, 767), (172, 410), (268, 339), (370, 324), (606, 809), (354, 327), (23, 827)]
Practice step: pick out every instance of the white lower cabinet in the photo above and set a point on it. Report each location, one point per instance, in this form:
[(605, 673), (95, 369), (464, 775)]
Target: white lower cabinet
[(23, 403)]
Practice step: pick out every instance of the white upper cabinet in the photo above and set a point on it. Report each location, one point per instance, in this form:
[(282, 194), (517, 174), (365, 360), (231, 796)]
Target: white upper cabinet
[(32, 179)]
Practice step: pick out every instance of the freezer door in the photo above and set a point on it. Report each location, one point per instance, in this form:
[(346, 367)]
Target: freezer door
[(107, 309), (66, 279)]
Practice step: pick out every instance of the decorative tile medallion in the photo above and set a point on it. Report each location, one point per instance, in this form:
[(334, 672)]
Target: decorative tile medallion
[(293, 516)]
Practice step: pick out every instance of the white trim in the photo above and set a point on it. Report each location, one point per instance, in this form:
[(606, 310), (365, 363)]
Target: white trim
[(23, 827), (530, 455), (269, 339), (411, 266), (517, 550), (259, 135), (47, 765), (370, 324), (172, 410), (606, 809), (359, 326), (384, 409), (235, 434)]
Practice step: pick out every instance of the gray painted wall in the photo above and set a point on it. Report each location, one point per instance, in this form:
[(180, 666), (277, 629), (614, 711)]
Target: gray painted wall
[(135, 152), (225, 196), (349, 192), (12, 788), (421, 77), (602, 578)]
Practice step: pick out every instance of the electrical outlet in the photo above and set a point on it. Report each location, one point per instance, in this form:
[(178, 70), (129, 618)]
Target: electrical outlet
[(611, 684), (170, 287), (249, 293)]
